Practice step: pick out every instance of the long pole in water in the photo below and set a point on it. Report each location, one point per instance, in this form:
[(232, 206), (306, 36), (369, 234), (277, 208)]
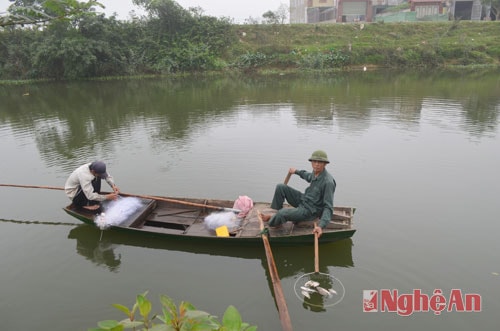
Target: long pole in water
[(316, 253), (286, 323), (194, 204), (200, 205), (33, 186)]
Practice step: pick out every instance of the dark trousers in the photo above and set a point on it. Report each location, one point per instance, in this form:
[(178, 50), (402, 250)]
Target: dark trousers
[(80, 198), (299, 213)]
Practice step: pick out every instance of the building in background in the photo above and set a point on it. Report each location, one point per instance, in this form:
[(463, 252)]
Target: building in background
[(354, 11), (345, 11), (298, 11), (424, 8), (321, 11), (331, 11), (467, 10)]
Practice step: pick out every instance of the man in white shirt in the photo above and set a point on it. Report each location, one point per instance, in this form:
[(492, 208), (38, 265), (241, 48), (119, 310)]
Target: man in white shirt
[(83, 186)]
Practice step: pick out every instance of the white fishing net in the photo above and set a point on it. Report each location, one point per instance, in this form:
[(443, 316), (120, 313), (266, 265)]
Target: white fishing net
[(218, 219), (117, 212)]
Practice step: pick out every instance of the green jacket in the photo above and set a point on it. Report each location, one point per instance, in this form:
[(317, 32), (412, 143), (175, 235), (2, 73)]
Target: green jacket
[(318, 197)]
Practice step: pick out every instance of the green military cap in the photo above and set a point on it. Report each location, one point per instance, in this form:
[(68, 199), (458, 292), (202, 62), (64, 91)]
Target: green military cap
[(319, 155)]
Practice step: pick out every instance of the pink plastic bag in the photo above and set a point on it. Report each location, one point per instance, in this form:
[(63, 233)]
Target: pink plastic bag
[(244, 204)]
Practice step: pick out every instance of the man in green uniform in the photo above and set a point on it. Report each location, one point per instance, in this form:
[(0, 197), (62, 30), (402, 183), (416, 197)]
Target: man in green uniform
[(315, 202)]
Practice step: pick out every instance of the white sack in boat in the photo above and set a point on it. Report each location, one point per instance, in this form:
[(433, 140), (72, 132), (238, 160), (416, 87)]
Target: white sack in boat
[(117, 211), (218, 219)]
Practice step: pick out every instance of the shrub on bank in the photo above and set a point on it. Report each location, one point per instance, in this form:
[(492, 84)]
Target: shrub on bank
[(173, 318)]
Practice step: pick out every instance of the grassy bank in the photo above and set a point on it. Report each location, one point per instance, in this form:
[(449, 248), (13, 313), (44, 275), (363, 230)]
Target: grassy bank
[(131, 50), (398, 45)]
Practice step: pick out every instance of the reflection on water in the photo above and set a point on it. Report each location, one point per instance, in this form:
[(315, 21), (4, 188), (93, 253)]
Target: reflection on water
[(98, 246), (96, 249), (417, 154), (73, 120)]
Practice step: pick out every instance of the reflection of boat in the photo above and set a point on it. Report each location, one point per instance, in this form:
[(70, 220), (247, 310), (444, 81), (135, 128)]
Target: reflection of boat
[(182, 218), (100, 252), (98, 247), (292, 261)]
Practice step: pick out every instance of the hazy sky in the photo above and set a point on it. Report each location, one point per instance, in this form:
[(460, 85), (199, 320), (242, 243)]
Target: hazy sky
[(239, 10)]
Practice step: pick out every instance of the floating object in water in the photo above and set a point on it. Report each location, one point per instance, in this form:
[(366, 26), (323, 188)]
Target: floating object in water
[(311, 283), (307, 289), (332, 291), (323, 292), (306, 294)]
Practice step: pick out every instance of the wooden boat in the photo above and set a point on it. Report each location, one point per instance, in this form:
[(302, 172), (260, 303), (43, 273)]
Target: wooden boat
[(184, 219)]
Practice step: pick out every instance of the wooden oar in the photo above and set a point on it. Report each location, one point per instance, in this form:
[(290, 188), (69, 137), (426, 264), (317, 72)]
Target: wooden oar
[(287, 178), (316, 253), (286, 323), (200, 205)]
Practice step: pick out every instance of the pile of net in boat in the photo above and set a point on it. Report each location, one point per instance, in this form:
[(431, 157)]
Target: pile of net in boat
[(217, 219), (242, 206), (117, 212)]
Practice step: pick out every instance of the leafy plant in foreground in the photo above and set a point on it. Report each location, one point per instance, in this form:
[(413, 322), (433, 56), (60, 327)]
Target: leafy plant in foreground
[(185, 317)]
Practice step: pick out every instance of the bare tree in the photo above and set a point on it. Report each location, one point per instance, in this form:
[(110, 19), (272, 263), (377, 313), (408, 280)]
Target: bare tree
[(279, 16), (283, 12)]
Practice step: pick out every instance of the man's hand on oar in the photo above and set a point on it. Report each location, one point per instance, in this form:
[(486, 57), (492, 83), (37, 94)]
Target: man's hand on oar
[(317, 230)]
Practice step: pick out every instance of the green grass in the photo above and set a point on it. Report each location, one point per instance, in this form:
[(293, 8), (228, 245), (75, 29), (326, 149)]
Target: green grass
[(412, 44)]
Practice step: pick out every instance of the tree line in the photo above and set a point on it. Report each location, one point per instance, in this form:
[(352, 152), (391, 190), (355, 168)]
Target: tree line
[(67, 39)]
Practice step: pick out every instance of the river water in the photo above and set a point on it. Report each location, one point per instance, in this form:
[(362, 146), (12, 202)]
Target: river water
[(417, 154)]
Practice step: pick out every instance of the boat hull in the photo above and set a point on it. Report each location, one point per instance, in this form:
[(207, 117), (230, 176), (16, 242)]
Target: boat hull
[(183, 219)]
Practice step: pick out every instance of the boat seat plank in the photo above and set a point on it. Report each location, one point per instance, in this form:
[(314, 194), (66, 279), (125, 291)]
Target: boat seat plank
[(175, 215), (341, 216), (171, 219), (137, 218)]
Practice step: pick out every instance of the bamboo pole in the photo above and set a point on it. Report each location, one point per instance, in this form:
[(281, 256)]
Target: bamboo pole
[(33, 186), (316, 253), (194, 204), (287, 178), (199, 205), (286, 323)]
